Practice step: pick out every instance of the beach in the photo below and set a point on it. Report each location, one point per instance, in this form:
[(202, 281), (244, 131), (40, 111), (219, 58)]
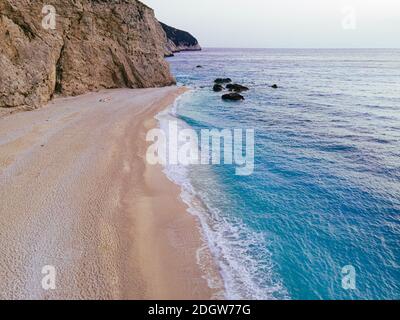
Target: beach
[(77, 194)]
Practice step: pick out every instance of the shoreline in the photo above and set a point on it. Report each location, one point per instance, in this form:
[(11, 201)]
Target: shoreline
[(78, 194)]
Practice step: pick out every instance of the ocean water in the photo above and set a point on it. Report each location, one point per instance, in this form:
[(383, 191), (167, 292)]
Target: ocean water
[(325, 192)]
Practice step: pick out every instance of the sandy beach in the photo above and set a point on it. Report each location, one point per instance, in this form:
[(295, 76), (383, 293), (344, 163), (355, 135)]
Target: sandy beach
[(76, 193)]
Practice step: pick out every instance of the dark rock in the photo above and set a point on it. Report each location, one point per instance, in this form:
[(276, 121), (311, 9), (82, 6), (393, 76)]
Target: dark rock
[(179, 40), (232, 97), (223, 80), (274, 86), (199, 66), (218, 88), (236, 87)]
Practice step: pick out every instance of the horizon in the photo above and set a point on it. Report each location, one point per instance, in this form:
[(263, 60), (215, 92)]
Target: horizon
[(289, 24), (304, 48)]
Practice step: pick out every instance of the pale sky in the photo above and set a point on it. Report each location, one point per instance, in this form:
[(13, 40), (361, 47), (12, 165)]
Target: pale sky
[(285, 23)]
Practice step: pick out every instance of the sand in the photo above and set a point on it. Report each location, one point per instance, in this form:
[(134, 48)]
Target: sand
[(76, 193)]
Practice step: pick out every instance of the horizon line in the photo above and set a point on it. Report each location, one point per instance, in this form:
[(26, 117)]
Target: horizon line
[(310, 48)]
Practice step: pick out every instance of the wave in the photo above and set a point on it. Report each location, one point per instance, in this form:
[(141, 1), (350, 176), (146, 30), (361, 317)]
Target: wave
[(231, 242)]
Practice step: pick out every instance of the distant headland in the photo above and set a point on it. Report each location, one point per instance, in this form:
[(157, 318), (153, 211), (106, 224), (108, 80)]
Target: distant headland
[(179, 40)]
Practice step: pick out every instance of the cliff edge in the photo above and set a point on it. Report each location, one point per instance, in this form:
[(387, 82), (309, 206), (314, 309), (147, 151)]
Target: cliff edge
[(179, 40), (75, 46)]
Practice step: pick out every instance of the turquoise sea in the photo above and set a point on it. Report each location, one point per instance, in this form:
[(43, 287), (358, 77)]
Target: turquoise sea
[(325, 192)]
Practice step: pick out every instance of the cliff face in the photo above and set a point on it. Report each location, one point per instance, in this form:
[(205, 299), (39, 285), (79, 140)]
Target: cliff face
[(179, 40), (96, 44)]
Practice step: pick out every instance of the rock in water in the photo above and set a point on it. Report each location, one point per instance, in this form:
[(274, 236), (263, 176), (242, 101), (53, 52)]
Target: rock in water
[(236, 87), (95, 45), (222, 80), (274, 86), (232, 97), (218, 88), (179, 40)]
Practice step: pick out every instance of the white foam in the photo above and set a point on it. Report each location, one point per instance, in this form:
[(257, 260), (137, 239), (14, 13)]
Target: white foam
[(229, 240)]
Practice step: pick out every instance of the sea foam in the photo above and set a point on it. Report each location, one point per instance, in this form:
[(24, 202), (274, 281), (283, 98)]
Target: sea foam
[(229, 240)]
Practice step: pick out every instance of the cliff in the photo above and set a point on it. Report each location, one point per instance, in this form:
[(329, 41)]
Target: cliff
[(179, 40), (96, 44)]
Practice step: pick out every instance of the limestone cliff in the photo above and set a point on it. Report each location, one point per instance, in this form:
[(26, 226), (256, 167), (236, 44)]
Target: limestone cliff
[(95, 44), (179, 40)]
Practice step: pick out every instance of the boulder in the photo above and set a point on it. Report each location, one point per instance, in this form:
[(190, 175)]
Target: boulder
[(274, 86), (222, 80), (218, 88), (236, 87), (232, 97)]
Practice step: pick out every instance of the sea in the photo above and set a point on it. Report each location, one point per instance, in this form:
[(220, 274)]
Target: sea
[(319, 218)]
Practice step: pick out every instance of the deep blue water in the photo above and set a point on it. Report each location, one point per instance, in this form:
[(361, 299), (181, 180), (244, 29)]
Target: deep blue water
[(326, 188)]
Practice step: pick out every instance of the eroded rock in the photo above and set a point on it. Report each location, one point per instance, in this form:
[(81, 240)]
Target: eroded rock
[(179, 40), (222, 80), (236, 87), (232, 96), (96, 45)]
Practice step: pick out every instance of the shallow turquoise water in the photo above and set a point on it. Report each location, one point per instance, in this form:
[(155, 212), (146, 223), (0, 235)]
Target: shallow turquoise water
[(326, 188)]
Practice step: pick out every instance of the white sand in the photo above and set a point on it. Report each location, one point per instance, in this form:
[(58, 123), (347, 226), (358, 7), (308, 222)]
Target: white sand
[(76, 193)]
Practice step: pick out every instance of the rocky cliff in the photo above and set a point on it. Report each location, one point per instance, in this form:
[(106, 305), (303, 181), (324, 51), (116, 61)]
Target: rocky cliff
[(75, 46), (179, 40)]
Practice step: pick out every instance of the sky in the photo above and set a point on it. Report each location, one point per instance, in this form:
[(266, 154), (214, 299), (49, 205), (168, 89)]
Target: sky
[(285, 23)]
